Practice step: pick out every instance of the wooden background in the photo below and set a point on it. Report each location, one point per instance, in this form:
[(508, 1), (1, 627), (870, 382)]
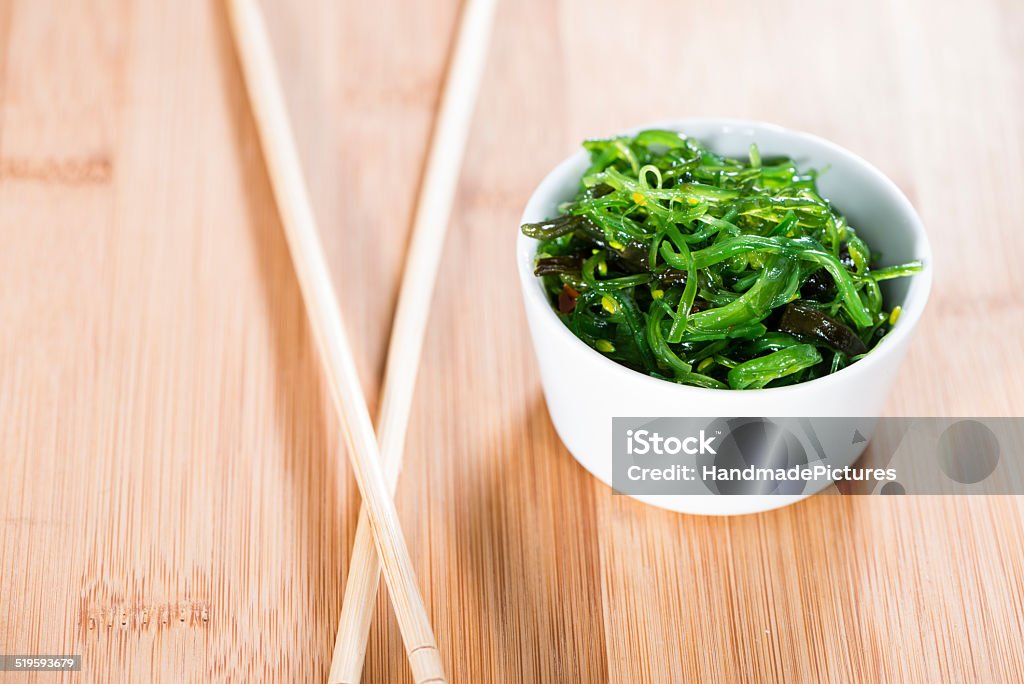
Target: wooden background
[(174, 500)]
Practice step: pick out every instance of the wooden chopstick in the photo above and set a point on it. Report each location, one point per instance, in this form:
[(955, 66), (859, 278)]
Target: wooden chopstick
[(300, 229), (431, 222)]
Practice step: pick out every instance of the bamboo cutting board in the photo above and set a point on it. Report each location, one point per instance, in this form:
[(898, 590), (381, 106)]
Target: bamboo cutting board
[(174, 503)]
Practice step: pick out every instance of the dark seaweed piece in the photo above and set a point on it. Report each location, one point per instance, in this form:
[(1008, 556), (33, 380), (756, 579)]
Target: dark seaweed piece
[(599, 190), (813, 325), (558, 264), (556, 227), (818, 286)]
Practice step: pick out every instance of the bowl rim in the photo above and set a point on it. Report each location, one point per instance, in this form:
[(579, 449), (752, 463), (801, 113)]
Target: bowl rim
[(912, 307)]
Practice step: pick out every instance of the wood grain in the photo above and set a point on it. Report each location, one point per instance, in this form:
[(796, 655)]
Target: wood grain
[(170, 504), (379, 527)]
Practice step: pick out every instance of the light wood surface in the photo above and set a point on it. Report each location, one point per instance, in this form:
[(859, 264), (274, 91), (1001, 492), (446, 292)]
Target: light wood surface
[(434, 202), (172, 501), (379, 517)]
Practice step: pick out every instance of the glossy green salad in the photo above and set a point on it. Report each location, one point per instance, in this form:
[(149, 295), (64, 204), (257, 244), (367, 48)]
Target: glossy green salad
[(708, 271)]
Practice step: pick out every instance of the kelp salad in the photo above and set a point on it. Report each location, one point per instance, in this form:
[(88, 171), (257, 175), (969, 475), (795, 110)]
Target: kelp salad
[(710, 271)]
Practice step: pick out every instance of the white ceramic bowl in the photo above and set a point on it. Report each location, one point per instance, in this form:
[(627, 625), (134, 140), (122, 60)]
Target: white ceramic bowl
[(584, 390)]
